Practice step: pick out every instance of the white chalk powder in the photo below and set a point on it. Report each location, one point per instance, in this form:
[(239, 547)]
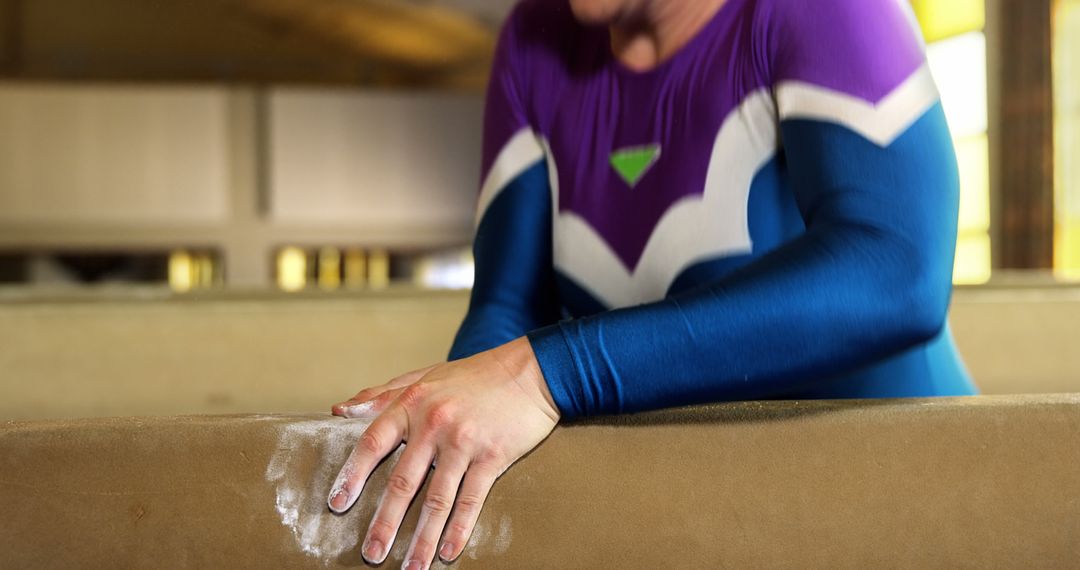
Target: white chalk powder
[(486, 540), (302, 494)]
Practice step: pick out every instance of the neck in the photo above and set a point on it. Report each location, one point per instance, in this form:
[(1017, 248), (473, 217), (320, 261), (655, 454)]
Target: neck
[(649, 35)]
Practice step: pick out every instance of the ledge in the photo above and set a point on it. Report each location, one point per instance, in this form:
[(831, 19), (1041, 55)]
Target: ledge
[(974, 482)]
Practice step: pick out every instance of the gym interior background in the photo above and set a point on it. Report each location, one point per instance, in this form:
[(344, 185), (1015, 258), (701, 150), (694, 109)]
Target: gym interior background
[(213, 206)]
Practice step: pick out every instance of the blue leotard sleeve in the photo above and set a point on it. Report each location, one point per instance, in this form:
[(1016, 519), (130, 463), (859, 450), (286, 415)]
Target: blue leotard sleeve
[(869, 278), (514, 289)]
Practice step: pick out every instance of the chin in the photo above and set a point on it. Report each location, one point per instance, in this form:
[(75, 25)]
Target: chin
[(595, 11)]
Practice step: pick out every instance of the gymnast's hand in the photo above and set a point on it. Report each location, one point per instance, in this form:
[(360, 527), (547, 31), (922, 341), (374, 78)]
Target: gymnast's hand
[(473, 417)]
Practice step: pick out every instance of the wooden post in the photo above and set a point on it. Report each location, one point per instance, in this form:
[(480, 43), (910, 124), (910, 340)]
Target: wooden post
[(10, 37), (1021, 133)]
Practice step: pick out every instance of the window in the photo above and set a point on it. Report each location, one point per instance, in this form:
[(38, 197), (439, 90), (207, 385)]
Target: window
[(956, 50), (1066, 66)]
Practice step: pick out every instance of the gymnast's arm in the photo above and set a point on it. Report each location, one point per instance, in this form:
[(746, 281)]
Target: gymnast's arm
[(514, 288), (870, 278)]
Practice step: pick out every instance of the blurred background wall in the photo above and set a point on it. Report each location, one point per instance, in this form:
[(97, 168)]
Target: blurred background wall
[(224, 135), (294, 180)]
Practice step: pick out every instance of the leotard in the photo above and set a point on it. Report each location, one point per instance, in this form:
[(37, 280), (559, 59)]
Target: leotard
[(770, 213)]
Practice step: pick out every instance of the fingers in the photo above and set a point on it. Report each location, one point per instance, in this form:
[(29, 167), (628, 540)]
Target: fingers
[(367, 409), (354, 409), (438, 501), (401, 487), (364, 403), (470, 499), (383, 436)]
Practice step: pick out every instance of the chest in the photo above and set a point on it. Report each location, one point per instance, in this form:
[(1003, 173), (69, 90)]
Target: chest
[(625, 150)]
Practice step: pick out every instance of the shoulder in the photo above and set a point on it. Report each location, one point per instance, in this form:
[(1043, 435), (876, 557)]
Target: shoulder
[(825, 16), (540, 48), (865, 48)]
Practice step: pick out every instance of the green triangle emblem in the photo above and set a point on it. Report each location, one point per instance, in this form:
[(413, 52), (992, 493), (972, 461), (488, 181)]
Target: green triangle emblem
[(633, 163)]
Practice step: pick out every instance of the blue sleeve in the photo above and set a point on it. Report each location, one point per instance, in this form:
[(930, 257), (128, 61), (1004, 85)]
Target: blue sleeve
[(870, 277), (514, 290)]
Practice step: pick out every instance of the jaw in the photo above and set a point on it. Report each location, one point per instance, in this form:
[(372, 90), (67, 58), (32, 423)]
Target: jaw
[(607, 12)]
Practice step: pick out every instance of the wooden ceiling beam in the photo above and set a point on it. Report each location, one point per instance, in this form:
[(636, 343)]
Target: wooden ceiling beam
[(391, 31), (360, 42)]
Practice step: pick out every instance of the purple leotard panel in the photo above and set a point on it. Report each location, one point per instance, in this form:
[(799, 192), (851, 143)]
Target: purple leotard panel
[(567, 87)]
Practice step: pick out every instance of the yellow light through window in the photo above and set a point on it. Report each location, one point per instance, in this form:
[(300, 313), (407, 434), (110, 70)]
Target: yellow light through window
[(973, 238), (941, 19), (1066, 56), (204, 270), (972, 259), (378, 269), (181, 271), (956, 52), (329, 268), (292, 269), (355, 268), (973, 155), (959, 68)]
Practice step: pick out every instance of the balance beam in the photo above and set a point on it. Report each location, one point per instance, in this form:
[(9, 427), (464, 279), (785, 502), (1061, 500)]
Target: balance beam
[(975, 482)]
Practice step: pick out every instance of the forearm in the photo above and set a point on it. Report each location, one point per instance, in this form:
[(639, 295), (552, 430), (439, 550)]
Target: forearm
[(821, 306), (514, 289), (870, 277), (487, 326)]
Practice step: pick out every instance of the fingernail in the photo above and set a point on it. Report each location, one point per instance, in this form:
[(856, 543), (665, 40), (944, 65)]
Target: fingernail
[(413, 565), (338, 501), (341, 498), (374, 552), (446, 553), (341, 495)]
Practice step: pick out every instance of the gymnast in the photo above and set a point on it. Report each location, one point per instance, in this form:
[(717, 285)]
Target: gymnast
[(683, 201)]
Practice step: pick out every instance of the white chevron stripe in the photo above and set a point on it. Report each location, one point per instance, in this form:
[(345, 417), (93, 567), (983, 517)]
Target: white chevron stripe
[(695, 229), (880, 123), (714, 224), (516, 157)]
